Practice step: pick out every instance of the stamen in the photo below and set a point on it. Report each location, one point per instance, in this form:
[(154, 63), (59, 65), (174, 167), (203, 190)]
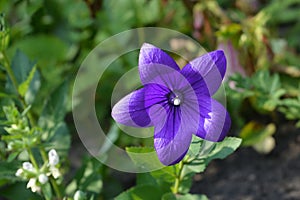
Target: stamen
[(175, 98), (176, 101)]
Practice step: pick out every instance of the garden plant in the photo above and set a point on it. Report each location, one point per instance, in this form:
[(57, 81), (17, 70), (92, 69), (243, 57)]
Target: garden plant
[(142, 99)]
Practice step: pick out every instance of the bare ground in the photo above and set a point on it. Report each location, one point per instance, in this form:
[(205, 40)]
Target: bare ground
[(247, 175)]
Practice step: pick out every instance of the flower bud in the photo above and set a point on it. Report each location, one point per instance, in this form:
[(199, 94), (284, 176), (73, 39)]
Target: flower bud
[(28, 166), (32, 184), (54, 171), (53, 157), (19, 172), (43, 178)]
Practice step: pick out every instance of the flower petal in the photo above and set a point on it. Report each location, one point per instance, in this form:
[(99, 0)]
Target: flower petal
[(132, 110), (215, 122), (172, 138), (150, 55), (206, 72)]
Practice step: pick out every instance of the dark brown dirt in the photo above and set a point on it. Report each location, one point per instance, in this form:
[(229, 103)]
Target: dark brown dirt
[(248, 175)]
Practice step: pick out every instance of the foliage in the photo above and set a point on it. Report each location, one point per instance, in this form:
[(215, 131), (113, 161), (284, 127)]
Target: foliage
[(174, 182), (43, 43)]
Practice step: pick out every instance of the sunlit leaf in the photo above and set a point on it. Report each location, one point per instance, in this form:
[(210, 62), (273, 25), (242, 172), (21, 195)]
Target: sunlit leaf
[(144, 157), (142, 192)]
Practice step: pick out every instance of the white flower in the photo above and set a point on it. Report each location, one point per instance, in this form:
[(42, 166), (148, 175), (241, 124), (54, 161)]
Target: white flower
[(54, 171), (53, 157), (32, 184), (28, 166), (19, 172), (43, 178)]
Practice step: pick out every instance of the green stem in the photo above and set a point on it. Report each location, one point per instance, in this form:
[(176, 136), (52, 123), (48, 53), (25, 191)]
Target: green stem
[(56, 188), (44, 154), (11, 75), (32, 159), (9, 70), (178, 178)]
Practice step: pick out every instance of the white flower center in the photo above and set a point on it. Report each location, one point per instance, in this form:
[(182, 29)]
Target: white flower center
[(176, 101)]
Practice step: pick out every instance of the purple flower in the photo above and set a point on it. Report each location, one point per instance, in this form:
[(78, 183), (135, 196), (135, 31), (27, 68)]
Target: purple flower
[(176, 102)]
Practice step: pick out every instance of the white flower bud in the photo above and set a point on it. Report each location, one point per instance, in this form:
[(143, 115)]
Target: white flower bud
[(54, 171), (43, 178), (19, 172), (28, 166), (32, 184), (53, 157)]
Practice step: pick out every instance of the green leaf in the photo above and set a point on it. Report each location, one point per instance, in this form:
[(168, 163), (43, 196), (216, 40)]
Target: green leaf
[(33, 88), (23, 87), (224, 148), (7, 171), (290, 107), (11, 113), (127, 13), (56, 107), (87, 178), (23, 70), (47, 191), (208, 152), (144, 157), (195, 146), (59, 138), (171, 196), (166, 174), (163, 178), (142, 192), (145, 178), (27, 77), (18, 191), (41, 47), (186, 183), (196, 166), (78, 14), (146, 11), (12, 156), (21, 66)]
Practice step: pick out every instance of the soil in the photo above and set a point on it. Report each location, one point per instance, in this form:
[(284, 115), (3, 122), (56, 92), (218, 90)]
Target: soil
[(248, 175)]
